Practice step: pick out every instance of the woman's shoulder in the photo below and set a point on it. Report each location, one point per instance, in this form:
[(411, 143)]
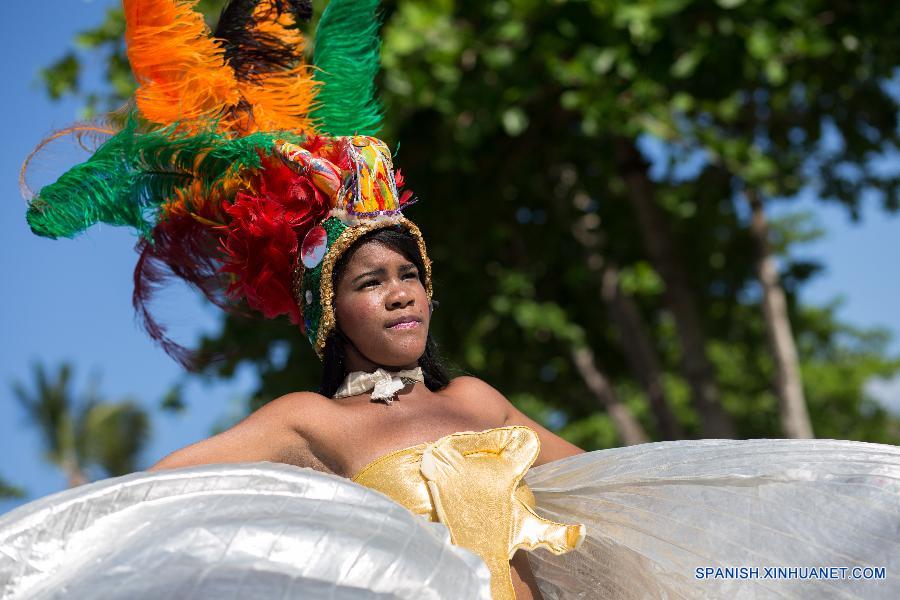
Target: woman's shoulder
[(289, 429), (469, 384), (302, 410), (312, 399), (315, 421), (480, 395), (308, 414)]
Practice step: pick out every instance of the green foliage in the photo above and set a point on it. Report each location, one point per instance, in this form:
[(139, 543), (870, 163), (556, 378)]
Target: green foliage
[(114, 435), (173, 400), (48, 408), (10, 491), (84, 431), (840, 359), (515, 116), (61, 78)]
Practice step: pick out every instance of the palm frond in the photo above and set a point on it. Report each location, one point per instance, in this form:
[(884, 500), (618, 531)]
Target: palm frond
[(115, 435)]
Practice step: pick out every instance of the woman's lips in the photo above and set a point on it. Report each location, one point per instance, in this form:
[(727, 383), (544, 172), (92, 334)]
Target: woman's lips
[(407, 325)]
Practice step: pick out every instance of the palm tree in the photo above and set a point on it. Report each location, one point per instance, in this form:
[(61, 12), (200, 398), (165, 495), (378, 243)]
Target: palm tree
[(84, 432), (10, 491)]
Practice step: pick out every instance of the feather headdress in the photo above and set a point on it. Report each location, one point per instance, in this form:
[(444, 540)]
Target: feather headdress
[(239, 157)]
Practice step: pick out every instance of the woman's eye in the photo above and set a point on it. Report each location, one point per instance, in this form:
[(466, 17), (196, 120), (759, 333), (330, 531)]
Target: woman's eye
[(374, 282)]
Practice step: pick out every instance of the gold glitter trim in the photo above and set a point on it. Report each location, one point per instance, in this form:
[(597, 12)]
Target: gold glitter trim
[(340, 245)]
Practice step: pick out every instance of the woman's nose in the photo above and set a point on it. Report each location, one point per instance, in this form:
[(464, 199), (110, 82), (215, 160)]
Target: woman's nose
[(399, 296)]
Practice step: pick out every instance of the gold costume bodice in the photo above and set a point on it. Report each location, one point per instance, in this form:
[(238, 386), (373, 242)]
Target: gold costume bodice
[(472, 483)]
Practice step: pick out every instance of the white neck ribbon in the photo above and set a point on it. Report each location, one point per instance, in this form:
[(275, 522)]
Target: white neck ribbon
[(383, 384)]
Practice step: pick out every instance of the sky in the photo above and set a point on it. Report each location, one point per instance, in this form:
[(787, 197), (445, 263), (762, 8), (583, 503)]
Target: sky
[(70, 300)]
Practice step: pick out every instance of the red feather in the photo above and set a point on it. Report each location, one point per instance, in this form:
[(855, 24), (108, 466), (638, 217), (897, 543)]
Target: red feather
[(261, 244)]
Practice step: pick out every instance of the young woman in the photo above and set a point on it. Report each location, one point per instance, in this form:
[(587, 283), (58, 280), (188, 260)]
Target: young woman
[(255, 178), (383, 316), (302, 217)]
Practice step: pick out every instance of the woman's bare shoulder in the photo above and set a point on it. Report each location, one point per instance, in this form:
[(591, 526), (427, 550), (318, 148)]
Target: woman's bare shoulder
[(292, 429), (309, 414), (468, 384), (478, 395), (306, 400), (553, 447), (320, 422)]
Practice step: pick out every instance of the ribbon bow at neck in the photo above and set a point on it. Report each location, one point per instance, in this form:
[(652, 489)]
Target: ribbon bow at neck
[(383, 384)]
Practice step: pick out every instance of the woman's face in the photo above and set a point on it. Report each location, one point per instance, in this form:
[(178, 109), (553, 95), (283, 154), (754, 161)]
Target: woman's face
[(381, 305)]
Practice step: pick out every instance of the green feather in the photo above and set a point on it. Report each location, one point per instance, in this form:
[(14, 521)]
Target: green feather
[(132, 174), (347, 58), (88, 193)]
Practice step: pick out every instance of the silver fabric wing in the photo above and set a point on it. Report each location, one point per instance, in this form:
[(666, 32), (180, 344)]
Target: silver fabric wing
[(655, 513), (237, 531)]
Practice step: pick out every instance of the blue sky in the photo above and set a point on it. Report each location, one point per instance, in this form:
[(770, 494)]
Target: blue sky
[(71, 300)]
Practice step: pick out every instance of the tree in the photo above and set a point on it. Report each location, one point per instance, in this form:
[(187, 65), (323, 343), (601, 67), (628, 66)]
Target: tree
[(10, 491), (84, 431), (758, 90), (558, 236)]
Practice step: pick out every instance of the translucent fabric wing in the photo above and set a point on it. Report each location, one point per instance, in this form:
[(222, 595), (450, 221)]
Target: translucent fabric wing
[(657, 512), (654, 514), (238, 531)]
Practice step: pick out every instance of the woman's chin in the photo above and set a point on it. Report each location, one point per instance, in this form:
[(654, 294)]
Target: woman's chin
[(401, 354)]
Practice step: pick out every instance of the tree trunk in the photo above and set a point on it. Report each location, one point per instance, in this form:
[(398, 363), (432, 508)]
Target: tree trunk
[(639, 352), (697, 368), (628, 427), (631, 331), (74, 475), (788, 383)]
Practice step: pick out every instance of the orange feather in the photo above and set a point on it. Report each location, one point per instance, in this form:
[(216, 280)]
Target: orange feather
[(180, 70), (183, 76), (281, 101)]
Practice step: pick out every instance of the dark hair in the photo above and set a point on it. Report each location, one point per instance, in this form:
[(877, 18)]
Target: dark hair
[(400, 240)]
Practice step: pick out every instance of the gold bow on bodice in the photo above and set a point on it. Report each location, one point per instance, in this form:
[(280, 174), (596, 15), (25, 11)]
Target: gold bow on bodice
[(472, 483)]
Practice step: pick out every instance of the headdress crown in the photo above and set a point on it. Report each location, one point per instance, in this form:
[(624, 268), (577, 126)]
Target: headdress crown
[(236, 150)]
